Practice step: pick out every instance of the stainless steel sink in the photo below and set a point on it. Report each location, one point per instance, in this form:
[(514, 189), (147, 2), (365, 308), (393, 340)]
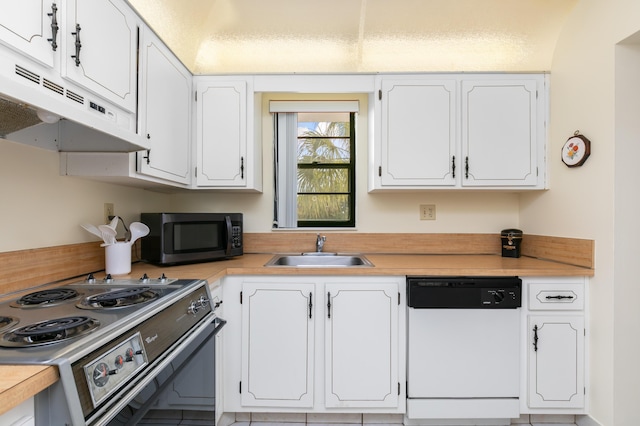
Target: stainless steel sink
[(320, 260)]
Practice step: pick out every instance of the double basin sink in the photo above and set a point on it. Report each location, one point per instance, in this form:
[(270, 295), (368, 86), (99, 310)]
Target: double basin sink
[(319, 260)]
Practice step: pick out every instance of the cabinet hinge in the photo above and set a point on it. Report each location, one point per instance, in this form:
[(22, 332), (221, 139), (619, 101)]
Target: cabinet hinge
[(241, 298), (379, 95)]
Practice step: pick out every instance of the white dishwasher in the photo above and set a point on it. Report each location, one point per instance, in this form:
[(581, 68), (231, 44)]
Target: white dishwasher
[(463, 348)]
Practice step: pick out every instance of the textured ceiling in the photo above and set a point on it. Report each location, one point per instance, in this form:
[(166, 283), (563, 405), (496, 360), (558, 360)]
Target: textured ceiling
[(254, 36)]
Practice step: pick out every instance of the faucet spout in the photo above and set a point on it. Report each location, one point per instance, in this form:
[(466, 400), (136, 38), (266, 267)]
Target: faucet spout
[(320, 242)]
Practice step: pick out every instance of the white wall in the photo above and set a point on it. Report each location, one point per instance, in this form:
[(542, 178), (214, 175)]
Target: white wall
[(40, 208), (583, 202)]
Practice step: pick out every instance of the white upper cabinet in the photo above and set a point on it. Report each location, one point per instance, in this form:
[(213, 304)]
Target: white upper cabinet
[(418, 132), (435, 131), (31, 27), (228, 155), (166, 101), (500, 132), (100, 49)]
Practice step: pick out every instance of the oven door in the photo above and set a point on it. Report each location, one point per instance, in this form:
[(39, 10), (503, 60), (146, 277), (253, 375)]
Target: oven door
[(183, 366), (59, 404)]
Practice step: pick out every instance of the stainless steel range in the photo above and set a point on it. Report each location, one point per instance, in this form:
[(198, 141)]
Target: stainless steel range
[(111, 339)]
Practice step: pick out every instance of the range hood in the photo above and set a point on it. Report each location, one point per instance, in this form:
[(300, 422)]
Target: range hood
[(40, 108), (14, 117)]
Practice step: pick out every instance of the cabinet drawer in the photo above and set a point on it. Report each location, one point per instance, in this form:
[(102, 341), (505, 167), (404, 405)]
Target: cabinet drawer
[(556, 296)]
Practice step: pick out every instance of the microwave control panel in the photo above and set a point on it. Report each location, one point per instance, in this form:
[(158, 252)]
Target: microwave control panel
[(236, 236)]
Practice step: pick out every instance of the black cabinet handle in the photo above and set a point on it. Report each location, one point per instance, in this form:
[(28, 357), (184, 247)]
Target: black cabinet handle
[(148, 157), (328, 305), (310, 303), (54, 27), (453, 166), (559, 297), (78, 45), (241, 167), (466, 167), (535, 338)]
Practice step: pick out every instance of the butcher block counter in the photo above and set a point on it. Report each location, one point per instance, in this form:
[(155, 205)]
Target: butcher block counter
[(19, 383)]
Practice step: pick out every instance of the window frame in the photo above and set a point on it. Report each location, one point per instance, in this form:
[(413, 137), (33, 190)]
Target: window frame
[(351, 193), (285, 119)]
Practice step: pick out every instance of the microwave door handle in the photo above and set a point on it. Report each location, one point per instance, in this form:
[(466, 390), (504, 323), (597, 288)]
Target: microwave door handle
[(229, 235)]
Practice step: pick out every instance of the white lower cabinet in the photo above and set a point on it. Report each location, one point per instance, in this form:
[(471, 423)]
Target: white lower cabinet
[(556, 364), (277, 344), (361, 351), (314, 344), (555, 346)]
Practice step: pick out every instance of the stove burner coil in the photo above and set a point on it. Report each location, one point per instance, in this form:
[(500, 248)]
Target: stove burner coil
[(121, 298), (50, 331), (50, 297)]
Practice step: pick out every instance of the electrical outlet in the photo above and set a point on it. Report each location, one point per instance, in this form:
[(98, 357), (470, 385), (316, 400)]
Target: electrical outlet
[(427, 212), (109, 211)]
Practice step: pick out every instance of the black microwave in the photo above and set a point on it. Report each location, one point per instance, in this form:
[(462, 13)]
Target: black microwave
[(191, 237)]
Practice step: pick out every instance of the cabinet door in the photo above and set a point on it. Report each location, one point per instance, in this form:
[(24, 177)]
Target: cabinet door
[(277, 345), (361, 345), (26, 26), (108, 35), (556, 361), (222, 134), (166, 119), (500, 133), (418, 135)]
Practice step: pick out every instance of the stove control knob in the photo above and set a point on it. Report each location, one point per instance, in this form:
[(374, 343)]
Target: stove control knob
[(91, 279), (145, 278), (119, 361), (194, 307), (163, 278), (129, 353), (108, 279)]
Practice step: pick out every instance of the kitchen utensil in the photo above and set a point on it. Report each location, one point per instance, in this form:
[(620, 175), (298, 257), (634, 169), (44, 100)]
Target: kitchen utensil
[(108, 234), (92, 229), (114, 223), (138, 230)]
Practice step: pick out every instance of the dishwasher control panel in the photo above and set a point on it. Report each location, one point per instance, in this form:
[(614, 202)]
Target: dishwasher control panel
[(464, 292), (500, 297)]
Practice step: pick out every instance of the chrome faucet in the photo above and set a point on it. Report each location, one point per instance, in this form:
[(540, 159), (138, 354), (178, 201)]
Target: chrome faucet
[(320, 242)]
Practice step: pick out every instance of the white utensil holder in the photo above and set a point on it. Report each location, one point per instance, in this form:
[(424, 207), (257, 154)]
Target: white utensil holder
[(118, 258)]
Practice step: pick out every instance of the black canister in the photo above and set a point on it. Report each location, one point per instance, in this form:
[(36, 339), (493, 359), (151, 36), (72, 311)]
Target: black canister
[(511, 240)]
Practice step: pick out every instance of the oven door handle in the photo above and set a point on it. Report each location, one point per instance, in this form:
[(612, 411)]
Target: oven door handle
[(219, 323)]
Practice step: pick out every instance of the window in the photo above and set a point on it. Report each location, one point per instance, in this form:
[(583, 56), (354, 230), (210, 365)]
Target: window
[(315, 166)]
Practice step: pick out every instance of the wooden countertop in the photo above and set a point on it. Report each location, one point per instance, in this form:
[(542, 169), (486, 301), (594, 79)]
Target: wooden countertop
[(384, 264), (18, 383)]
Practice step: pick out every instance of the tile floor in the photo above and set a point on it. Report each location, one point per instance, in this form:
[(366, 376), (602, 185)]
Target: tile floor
[(195, 418)]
